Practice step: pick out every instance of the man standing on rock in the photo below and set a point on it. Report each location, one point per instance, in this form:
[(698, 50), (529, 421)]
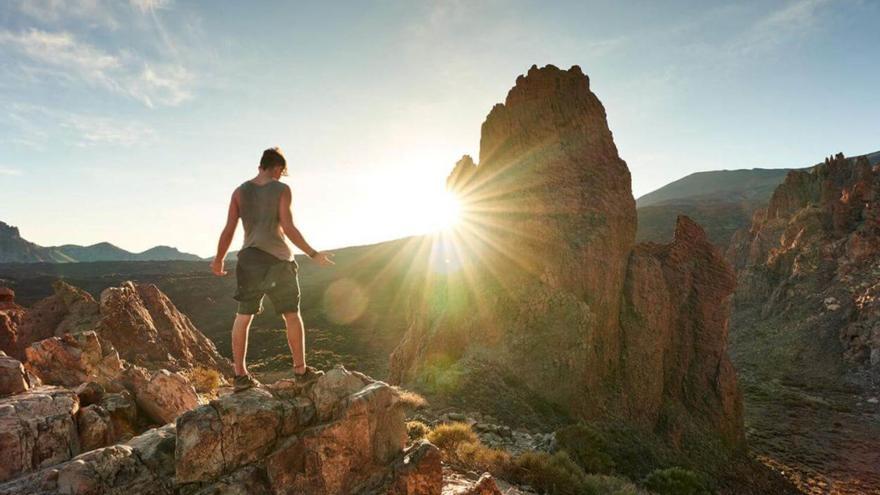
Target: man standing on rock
[(265, 263)]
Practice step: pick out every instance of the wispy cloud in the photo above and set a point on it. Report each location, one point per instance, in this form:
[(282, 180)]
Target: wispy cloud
[(35, 126), (789, 23), (149, 5), (9, 171), (93, 130), (67, 58)]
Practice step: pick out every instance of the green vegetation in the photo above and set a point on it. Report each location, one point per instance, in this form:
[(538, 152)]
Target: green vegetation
[(676, 481), (553, 474), (586, 447)]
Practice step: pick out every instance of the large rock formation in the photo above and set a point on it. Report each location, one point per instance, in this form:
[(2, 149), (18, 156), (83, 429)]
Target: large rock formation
[(811, 261), (543, 285)]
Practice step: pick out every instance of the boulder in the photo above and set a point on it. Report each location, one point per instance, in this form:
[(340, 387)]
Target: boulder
[(161, 395), (418, 471), (13, 379), (150, 331), (330, 388), (37, 429), (73, 359), (111, 421), (143, 465), (346, 455), (228, 433), (485, 485)]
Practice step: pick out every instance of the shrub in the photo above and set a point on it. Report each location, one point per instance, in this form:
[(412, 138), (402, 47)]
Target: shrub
[(553, 474), (610, 485), (478, 457), (448, 436), (676, 481), (205, 380), (586, 447), (417, 430)]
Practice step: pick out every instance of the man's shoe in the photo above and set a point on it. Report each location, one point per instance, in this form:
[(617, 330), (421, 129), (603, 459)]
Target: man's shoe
[(244, 382), (308, 375)]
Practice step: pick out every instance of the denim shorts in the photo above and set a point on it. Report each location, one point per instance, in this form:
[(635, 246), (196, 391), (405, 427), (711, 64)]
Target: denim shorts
[(258, 273)]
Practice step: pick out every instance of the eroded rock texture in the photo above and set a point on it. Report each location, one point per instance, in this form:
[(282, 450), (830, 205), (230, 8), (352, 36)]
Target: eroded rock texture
[(813, 257), (137, 319), (542, 283), (263, 440)]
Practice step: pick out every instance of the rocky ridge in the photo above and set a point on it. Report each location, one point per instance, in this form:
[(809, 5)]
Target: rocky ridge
[(76, 417), (817, 245), (805, 330), (548, 274)]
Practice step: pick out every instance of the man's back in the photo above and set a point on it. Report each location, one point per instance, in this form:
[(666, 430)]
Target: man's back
[(258, 208)]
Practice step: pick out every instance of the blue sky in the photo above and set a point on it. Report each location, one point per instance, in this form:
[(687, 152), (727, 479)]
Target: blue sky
[(133, 122)]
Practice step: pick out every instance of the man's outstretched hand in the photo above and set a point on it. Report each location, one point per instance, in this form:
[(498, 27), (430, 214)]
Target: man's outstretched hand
[(217, 267), (323, 259)]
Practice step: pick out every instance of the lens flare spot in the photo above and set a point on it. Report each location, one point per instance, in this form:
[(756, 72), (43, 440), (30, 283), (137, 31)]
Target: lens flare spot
[(344, 301)]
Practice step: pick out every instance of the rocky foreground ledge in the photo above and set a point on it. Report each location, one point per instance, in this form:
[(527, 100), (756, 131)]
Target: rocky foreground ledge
[(341, 433), (78, 416)]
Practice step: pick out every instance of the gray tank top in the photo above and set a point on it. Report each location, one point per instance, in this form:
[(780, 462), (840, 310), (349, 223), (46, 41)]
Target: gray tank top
[(258, 208)]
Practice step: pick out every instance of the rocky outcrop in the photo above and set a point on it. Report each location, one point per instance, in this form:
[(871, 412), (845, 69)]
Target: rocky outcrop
[(263, 440), (548, 287), (69, 310), (137, 319), (94, 398), (813, 255), (674, 323), (150, 331)]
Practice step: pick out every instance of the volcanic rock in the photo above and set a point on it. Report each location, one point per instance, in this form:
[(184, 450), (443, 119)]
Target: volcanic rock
[(547, 279), (816, 249), (150, 331), (13, 378), (162, 395), (37, 429), (73, 359)]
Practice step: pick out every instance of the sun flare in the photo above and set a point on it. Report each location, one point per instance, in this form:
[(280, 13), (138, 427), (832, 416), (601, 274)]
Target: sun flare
[(445, 212)]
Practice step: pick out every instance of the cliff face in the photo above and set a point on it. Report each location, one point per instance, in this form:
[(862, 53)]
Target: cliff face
[(547, 285), (814, 254)]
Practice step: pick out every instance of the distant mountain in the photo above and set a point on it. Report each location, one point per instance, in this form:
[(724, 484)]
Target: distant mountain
[(15, 249), (718, 185), (722, 201)]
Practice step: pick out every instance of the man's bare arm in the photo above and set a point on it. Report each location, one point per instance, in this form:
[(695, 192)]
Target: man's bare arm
[(286, 221), (226, 235)]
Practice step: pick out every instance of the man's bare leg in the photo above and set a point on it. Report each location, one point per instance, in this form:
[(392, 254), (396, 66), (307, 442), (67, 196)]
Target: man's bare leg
[(296, 340), (240, 328)]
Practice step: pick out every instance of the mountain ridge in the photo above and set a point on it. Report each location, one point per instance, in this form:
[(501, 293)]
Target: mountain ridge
[(16, 249)]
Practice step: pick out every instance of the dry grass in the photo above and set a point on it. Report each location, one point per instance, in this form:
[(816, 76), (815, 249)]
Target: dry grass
[(417, 430), (410, 398), (448, 436), (477, 456), (205, 380)]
